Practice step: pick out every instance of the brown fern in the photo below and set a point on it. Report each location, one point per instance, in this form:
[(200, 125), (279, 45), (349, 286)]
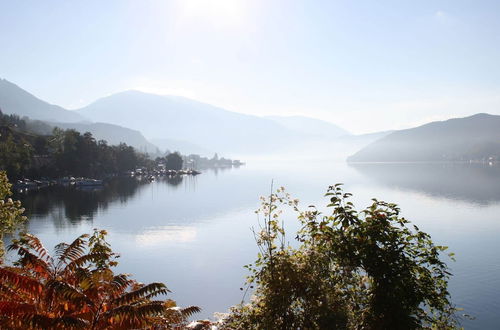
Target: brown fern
[(77, 289)]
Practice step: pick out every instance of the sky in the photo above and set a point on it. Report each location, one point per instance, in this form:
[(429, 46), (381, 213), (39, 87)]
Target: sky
[(364, 65)]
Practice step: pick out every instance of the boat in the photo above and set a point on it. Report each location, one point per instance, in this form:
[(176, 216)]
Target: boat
[(88, 182), (66, 181)]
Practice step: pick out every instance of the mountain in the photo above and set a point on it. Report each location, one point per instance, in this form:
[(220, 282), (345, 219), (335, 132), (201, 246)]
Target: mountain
[(461, 139), (43, 117), (314, 127), (177, 123), (207, 126), (326, 140), (15, 100), (184, 147), (113, 134)]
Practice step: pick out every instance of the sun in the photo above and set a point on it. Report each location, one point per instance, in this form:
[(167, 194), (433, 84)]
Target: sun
[(217, 12)]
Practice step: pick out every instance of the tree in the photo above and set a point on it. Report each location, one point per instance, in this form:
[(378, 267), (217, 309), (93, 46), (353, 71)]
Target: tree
[(173, 161), (350, 270), (15, 153), (77, 289), (11, 212), (65, 152)]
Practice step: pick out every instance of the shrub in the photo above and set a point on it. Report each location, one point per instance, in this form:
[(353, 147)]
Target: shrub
[(11, 212), (77, 289), (350, 270)]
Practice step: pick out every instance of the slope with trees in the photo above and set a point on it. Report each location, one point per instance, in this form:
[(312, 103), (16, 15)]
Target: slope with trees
[(474, 138), (64, 152), (112, 134), (41, 117)]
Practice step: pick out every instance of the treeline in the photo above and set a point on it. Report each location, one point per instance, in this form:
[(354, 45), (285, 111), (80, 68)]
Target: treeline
[(27, 150), (199, 162), (64, 152)]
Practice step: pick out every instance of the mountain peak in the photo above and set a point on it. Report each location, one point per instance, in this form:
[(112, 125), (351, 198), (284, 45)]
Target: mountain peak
[(179, 118), (312, 126), (15, 100)]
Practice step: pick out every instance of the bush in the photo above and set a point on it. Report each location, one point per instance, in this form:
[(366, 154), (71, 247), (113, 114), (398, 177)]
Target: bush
[(77, 289), (351, 270), (11, 212)]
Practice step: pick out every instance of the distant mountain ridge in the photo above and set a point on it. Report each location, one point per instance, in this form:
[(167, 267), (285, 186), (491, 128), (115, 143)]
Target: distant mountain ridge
[(475, 137), (15, 100), (189, 126), (43, 117), (201, 124), (311, 126), (184, 147)]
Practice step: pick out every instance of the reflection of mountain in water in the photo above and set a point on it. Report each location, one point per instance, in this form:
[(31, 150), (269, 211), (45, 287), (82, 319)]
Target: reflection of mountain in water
[(477, 183), (83, 202)]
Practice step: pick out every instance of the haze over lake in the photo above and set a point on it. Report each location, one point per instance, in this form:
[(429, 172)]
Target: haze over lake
[(163, 122), (194, 233)]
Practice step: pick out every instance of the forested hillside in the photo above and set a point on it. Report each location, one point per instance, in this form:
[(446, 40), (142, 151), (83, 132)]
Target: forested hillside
[(474, 138), (24, 153)]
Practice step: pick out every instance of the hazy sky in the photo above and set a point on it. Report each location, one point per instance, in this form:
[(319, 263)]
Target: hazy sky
[(365, 65)]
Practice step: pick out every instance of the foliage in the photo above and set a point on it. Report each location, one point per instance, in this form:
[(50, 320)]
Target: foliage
[(173, 161), (15, 153), (11, 212), (32, 149), (26, 153), (81, 155), (77, 289), (350, 270), (199, 162), (65, 153)]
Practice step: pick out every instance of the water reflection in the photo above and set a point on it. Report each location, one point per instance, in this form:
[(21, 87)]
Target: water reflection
[(174, 180), (157, 236), (199, 227), (475, 183), (72, 205), (124, 202)]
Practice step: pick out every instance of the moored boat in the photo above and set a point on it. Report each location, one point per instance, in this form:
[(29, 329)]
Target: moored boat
[(89, 182)]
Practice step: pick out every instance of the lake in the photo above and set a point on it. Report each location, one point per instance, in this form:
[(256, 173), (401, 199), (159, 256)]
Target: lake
[(194, 233)]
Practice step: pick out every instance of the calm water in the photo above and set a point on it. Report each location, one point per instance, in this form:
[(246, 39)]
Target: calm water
[(194, 233)]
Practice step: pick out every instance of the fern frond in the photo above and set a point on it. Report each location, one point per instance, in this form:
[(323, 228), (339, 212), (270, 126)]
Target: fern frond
[(128, 312), (84, 259), (190, 311), (41, 321), (16, 309), (35, 243), (20, 282), (69, 252), (149, 309), (120, 283), (70, 322), (146, 291), (68, 292), (31, 261)]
